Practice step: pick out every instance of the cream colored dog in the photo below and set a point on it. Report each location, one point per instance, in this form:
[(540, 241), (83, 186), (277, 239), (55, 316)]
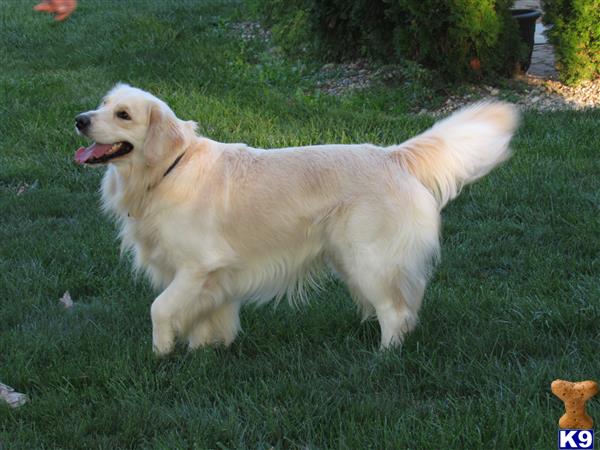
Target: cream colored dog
[(216, 224)]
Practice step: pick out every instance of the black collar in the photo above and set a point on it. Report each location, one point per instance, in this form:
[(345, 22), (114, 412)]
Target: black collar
[(172, 166)]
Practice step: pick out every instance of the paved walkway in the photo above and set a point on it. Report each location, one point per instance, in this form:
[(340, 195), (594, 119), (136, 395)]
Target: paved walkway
[(543, 61)]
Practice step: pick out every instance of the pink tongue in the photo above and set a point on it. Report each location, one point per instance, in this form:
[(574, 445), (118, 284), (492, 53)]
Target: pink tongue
[(93, 151)]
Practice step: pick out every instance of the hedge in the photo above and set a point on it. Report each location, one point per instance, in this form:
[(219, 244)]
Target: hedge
[(459, 39), (575, 35)]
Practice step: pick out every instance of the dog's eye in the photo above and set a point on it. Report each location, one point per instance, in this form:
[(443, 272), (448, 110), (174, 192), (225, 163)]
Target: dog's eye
[(123, 115)]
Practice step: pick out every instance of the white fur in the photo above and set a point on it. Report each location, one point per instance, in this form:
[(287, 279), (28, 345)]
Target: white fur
[(232, 223)]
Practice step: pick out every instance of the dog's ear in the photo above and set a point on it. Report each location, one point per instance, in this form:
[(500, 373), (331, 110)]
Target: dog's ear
[(163, 136)]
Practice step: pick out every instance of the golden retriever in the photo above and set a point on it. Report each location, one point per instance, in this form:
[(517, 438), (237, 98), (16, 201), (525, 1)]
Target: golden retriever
[(215, 224)]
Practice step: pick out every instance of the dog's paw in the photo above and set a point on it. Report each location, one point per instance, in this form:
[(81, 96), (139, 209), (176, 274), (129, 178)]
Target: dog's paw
[(205, 334), (160, 352), (201, 336), (162, 345)]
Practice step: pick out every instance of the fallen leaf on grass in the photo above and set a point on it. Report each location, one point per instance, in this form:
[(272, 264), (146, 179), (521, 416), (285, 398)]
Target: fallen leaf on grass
[(25, 187), (66, 300), (14, 399)]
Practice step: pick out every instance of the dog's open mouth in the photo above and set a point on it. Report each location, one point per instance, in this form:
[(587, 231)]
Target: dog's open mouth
[(101, 153)]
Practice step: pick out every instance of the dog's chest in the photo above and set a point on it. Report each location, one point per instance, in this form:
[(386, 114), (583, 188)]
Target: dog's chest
[(170, 241), (152, 246)]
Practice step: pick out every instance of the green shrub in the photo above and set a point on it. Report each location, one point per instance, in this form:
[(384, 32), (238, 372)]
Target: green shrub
[(575, 35), (457, 37), (461, 40)]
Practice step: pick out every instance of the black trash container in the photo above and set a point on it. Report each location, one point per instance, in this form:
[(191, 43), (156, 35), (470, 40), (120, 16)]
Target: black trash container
[(526, 19)]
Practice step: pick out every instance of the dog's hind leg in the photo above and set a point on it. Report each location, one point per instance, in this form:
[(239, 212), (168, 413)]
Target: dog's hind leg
[(386, 259), (396, 299), (397, 313), (394, 293)]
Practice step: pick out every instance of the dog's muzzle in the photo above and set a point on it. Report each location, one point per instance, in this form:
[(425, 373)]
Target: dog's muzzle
[(82, 121)]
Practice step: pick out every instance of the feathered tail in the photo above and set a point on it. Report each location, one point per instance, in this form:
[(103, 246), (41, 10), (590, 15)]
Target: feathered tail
[(459, 149)]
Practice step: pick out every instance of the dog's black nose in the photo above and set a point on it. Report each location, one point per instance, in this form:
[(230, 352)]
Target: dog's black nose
[(82, 121)]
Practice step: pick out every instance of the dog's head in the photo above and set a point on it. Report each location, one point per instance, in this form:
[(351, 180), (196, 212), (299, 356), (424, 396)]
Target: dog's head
[(131, 126)]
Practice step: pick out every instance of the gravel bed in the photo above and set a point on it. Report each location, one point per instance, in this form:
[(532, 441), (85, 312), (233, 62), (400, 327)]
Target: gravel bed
[(528, 91), (532, 93)]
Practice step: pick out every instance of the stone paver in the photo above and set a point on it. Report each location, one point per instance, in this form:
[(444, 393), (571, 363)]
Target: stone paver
[(543, 62), (527, 4)]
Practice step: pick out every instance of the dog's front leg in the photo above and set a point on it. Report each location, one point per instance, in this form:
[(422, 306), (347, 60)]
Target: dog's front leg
[(173, 307)]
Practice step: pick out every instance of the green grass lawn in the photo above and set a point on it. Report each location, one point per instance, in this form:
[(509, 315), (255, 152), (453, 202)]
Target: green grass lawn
[(514, 304)]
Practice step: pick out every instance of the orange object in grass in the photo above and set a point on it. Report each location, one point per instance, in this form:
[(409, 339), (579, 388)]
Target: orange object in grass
[(62, 8), (475, 64)]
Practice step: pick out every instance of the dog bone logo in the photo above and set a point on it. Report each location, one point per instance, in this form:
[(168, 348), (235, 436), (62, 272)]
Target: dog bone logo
[(574, 395)]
